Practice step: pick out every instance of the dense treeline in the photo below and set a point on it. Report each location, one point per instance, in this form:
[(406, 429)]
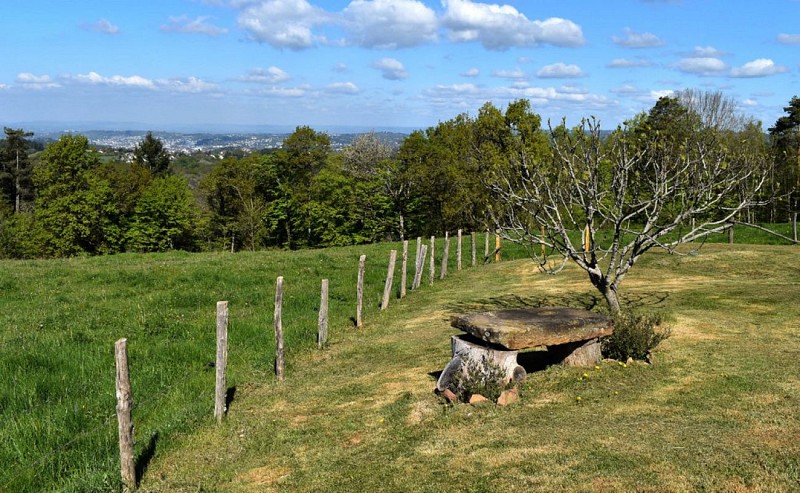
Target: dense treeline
[(63, 200)]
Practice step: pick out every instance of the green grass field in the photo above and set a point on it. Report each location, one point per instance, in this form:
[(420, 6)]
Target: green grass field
[(718, 411)]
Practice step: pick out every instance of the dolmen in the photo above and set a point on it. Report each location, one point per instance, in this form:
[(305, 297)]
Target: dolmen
[(572, 334)]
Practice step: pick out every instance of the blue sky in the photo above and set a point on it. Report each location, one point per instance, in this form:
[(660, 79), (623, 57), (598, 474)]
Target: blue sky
[(386, 63)]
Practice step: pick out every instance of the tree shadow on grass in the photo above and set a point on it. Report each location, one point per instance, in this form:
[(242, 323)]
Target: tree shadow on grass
[(586, 301), (145, 456)]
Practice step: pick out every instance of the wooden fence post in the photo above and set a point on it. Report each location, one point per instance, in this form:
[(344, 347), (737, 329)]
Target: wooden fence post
[(458, 252), (730, 233), (222, 360), (322, 324), (125, 423), (404, 275), (387, 288), (486, 248), (444, 256), (432, 267), (497, 247), (360, 291), (416, 263), (420, 266), (472, 240), (279, 359)]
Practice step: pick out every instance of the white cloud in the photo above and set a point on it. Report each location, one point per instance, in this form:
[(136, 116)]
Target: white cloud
[(391, 69), (750, 102), (198, 25), (706, 51), (451, 90), (658, 94), (626, 89), (269, 75), (343, 88), (559, 71), (187, 84), (472, 72), (31, 81), (176, 84), (102, 26), (789, 39), (705, 66), (633, 39), (541, 95), (283, 23), (282, 92), (341, 68), (625, 63), (4, 87), (115, 80), (761, 67), (390, 23), (509, 74), (499, 27)]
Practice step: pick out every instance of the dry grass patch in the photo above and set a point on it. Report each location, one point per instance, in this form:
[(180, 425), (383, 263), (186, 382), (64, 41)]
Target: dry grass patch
[(262, 479)]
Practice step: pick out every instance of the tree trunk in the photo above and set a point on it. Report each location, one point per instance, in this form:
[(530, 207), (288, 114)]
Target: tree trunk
[(794, 226), (609, 293), (402, 227), (612, 300)]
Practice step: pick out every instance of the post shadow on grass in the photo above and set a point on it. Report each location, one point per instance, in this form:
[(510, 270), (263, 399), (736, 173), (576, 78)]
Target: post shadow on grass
[(229, 398), (145, 456)]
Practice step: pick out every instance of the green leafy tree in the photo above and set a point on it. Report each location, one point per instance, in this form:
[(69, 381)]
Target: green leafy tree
[(235, 197), (150, 152), (785, 137), (73, 204), (303, 154), (164, 216), (15, 174)]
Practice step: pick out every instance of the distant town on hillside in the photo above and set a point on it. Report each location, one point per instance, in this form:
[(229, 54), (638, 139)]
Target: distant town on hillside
[(178, 141)]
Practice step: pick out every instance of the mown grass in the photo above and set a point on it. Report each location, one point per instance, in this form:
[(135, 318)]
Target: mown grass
[(718, 411), (59, 320)]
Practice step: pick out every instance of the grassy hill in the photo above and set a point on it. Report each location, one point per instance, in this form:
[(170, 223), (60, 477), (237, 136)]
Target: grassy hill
[(718, 411)]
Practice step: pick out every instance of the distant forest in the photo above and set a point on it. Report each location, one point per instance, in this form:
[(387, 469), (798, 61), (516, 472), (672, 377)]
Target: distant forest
[(69, 198)]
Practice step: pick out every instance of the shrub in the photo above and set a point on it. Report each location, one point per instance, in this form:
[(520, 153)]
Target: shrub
[(482, 377), (635, 336)]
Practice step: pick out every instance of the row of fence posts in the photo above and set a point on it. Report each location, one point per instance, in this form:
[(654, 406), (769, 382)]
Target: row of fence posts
[(123, 385)]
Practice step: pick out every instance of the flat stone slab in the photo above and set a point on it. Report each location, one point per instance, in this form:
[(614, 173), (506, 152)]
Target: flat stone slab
[(525, 328)]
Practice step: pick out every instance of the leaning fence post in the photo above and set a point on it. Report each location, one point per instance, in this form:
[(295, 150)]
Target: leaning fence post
[(360, 291), (222, 360), (404, 275), (387, 288), (279, 358), (125, 423), (472, 248), (322, 324), (444, 256), (421, 266), (432, 266)]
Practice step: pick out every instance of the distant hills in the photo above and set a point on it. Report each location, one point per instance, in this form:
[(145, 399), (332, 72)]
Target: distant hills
[(267, 137)]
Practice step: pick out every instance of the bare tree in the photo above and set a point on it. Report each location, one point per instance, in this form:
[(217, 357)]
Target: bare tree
[(714, 109), (605, 203)]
